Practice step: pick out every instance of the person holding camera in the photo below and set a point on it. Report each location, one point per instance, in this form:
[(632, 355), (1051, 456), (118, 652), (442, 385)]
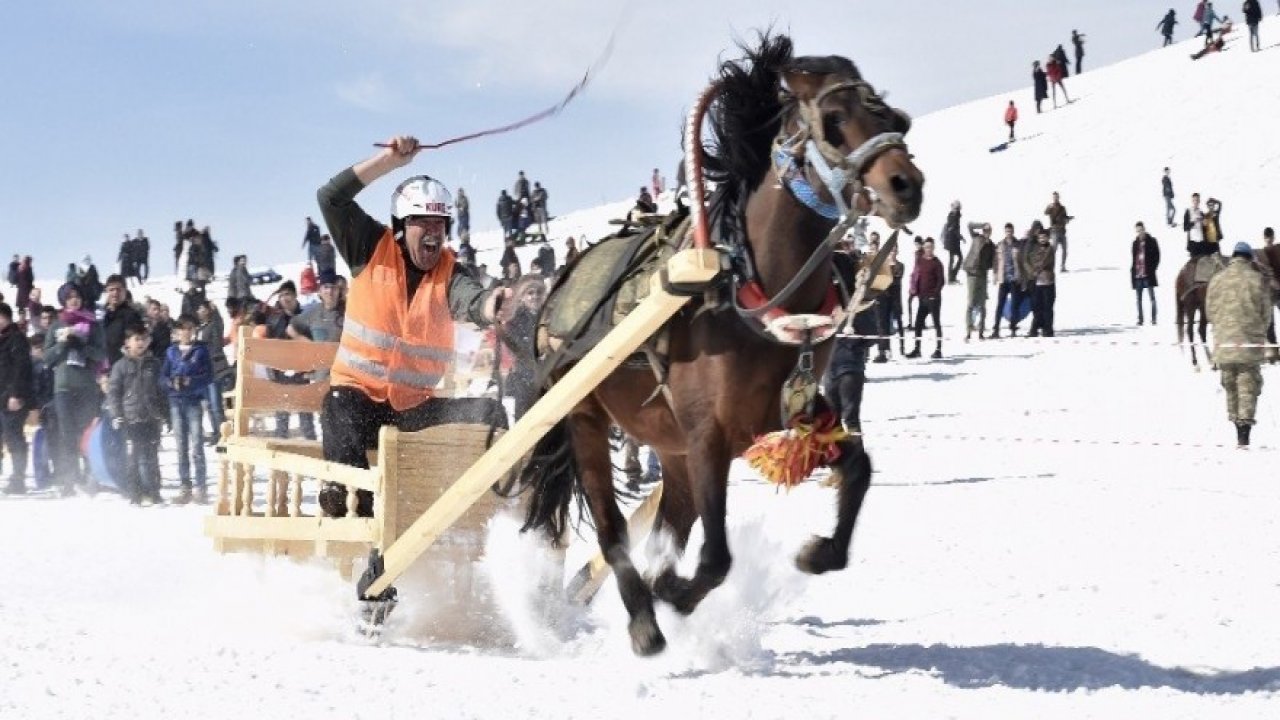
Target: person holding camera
[(187, 372)]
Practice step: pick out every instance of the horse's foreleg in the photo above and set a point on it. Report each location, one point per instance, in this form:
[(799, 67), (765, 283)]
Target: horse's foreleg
[(676, 511), (590, 433), (708, 470), (1204, 338), (823, 554)]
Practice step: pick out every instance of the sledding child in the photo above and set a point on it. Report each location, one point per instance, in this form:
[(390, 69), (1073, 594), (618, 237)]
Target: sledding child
[(137, 404), (187, 372)]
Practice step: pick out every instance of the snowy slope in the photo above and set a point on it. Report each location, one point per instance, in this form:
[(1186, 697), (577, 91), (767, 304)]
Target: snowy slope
[(1056, 529)]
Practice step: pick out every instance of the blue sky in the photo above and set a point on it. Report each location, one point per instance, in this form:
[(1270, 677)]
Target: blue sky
[(129, 114)]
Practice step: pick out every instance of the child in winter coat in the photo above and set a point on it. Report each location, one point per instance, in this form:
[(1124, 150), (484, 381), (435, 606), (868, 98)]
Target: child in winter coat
[(137, 405), (1011, 118), (187, 373)]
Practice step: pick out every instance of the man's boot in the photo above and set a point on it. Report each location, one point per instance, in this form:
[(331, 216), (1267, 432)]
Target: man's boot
[(1242, 434)]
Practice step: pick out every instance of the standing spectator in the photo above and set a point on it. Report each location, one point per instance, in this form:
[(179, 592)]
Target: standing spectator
[(1011, 118), (1165, 26), (1238, 304), (239, 284), (1056, 72), (117, 316), (540, 208), (570, 250), (506, 212), (657, 182), (137, 405), (1142, 270), (210, 333), (192, 299), (1077, 39), (1061, 56), (74, 350), (1041, 83), (951, 240), (889, 306), (26, 283), (90, 284), (520, 190), (1203, 227), (326, 256), (34, 305), (180, 235), (462, 208), (1058, 219), (187, 373), (509, 256), (16, 384), (143, 258), (978, 266), (1044, 293), (466, 253), (1252, 17), (13, 270), (282, 314), (311, 239), (1166, 189), (927, 280), (1010, 275), (42, 400), (161, 328)]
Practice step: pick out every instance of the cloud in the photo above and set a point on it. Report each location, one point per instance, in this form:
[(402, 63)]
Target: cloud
[(368, 92)]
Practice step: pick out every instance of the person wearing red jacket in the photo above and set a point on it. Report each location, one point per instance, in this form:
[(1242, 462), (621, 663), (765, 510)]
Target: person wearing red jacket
[(1011, 118), (1054, 70), (927, 280)]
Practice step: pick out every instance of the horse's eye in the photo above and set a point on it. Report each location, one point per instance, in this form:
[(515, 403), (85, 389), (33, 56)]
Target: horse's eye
[(831, 128)]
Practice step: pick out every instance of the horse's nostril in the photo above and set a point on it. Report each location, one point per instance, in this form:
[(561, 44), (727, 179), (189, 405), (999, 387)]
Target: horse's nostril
[(902, 187)]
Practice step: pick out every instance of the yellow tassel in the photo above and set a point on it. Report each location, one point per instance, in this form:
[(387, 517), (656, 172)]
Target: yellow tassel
[(787, 457)]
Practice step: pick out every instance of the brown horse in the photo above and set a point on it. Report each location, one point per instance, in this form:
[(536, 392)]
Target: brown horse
[(1189, 298), (775, 207)]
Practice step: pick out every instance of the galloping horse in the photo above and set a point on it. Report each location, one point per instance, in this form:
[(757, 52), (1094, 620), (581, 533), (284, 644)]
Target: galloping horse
[(796, 141), (1189, 298)]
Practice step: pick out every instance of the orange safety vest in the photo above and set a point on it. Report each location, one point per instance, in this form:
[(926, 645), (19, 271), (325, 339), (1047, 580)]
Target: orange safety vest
[(391, 350)]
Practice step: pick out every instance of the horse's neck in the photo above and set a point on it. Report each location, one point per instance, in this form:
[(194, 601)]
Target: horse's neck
[(782, 235)]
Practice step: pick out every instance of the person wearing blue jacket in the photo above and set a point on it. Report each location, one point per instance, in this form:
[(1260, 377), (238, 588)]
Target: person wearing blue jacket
[(187, 372)]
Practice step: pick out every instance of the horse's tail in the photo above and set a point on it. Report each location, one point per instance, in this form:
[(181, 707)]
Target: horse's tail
[(552, 476)]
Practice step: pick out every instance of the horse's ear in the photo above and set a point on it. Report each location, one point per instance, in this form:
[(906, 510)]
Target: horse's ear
[(901, 121), (803, 85)]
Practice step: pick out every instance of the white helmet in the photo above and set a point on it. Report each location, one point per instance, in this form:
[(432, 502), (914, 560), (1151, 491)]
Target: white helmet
[(421, 195)]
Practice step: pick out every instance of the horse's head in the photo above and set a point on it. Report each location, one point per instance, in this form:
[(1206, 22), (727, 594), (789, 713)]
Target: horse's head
[(848, 141)]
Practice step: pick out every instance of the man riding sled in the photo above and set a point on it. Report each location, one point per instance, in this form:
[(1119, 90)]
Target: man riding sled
[(398, 336)]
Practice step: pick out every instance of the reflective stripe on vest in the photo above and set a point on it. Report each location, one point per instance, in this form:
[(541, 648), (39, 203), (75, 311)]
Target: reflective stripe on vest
[(383, 341), (400, 376)]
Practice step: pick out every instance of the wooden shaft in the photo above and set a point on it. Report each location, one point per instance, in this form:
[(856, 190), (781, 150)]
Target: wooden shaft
[(641, 323), (309, 466)]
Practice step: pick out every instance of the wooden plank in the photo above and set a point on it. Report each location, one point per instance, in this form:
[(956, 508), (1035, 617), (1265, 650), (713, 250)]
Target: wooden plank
[(266, 529), (261, 394), (240, 420), (587, 581), (687, 267), (387, 500), (303, 465), (295, 355)]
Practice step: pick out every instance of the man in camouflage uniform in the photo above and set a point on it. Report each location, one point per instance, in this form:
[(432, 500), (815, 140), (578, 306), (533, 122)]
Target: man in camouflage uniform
[(1239, 306)]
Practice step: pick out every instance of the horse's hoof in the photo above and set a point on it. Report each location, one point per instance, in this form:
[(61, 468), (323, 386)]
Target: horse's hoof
[(675, 591), (646, 637), (821, 555)]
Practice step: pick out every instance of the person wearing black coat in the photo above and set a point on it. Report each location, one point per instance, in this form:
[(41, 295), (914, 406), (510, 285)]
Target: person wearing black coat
[(1253, 16), (1061, 56), (1142, 269), (117, 315), (1041, 83), (15, 396)]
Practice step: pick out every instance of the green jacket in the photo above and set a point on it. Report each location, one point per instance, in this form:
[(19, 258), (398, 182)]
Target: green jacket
[(1239, 306)]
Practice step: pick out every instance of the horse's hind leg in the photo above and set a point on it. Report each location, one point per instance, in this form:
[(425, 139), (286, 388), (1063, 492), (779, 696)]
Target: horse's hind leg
[(1204, 338), (823, 554), (708, 471), (590, 432)]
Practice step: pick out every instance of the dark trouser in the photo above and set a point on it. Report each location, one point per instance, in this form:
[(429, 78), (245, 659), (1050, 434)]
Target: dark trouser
[(1254, 43), (929, 307), (1168, 40), (306, 421), (1079, 60), (1042, 300), (1011, 291), (1010, 124), (845, 395), (186, 419), (11, 424), (1038, 101), (1169, 211), (143, 443), (954, 262), (76, 409), (889, 311), (1144, 284), (351, 421), (143, 271)]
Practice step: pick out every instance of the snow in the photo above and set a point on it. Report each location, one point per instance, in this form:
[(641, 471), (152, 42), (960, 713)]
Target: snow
[(1060, 529)]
